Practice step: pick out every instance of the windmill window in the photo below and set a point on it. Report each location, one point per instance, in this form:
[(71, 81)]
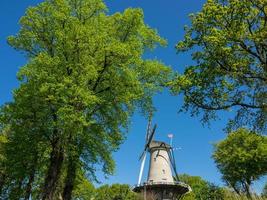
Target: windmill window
[(155, 159), (163, 171)]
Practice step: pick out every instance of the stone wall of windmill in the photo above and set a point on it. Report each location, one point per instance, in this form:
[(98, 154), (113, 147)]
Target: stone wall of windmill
[(160, 165)]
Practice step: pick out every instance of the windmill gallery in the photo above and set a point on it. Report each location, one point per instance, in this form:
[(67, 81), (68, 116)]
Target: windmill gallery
[(160, 183)]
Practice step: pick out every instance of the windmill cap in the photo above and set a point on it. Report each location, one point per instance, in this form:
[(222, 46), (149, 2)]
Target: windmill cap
[(158, 145)]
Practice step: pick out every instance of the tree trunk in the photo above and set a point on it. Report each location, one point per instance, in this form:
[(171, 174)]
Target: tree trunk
[(53, 174), (69, 181), (235, 189), (28, 189), (2, 182), (17, 191), (247, 188)]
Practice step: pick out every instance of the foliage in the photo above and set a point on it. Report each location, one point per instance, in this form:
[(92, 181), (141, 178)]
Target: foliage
[(3, 141), (84, 190), (242, 159), (201, 189), (230, 195), (228, 40), (25, 149), (84, 78), (115, 192)]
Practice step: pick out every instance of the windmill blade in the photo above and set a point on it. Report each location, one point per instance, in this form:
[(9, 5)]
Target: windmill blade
[(148, 128), (151, 136), (147, 136), (173, 163), (148, 142), (141, 169), (142, 155)]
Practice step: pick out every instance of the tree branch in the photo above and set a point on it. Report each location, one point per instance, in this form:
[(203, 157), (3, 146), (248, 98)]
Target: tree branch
[(101, 74), (223, 107)]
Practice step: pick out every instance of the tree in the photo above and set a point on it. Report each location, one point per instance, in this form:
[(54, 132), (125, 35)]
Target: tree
[(228, 41), (115, 192), (84, 78), (201, 189), (242, 159)]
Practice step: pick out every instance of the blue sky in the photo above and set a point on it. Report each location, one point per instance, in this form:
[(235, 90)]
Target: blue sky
[(195, 140)]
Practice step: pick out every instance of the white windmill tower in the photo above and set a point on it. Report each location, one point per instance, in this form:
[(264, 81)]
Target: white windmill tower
[(160, 184)]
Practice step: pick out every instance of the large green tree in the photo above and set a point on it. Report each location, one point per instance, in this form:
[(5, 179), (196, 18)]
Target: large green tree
[(84, 78), (242, 159), (227, 39)]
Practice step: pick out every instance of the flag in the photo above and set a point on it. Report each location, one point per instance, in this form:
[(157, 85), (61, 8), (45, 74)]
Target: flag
[(170, 135)]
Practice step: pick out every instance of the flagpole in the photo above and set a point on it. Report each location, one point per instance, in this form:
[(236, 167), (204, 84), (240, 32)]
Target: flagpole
[(171, 137)]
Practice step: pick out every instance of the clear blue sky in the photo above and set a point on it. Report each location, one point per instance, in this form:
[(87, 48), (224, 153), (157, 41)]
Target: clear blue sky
[(195, 140)]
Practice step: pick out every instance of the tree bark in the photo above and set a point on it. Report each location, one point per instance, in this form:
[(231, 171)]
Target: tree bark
[(53, 174), (235, 188), (28, 189), (69, 181), (17, 191), (2, 182), (247, 188)]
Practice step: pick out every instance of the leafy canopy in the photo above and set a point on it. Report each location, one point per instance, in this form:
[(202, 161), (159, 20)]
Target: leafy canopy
[(227, 39), (241, 158), (87, 68)]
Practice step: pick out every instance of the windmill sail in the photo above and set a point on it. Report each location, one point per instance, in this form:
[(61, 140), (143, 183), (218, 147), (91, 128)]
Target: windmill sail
[(141, 169), (149, 137)]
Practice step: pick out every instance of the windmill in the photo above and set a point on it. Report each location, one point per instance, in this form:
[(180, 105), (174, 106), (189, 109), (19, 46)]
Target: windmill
[(160, 184)]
